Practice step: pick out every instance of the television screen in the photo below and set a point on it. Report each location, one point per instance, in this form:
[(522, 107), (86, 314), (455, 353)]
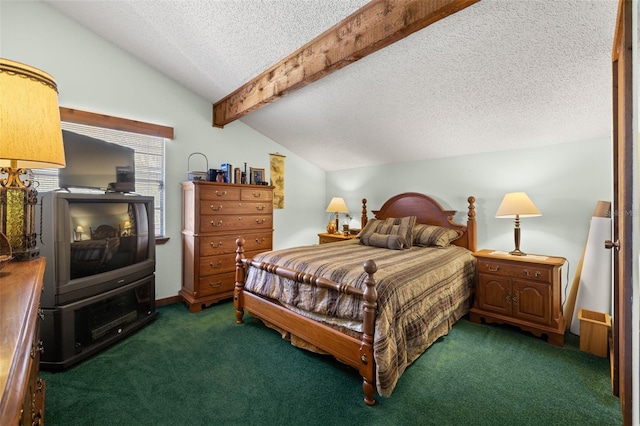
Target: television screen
[(96, 164), (107, 236)]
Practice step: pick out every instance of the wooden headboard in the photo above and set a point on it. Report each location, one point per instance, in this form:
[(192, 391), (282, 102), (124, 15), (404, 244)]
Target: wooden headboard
[(427, 211)]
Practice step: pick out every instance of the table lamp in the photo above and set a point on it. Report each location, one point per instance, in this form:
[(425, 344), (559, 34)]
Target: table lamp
[(30, 137), (79, 231), (337, 205), (517, 205)]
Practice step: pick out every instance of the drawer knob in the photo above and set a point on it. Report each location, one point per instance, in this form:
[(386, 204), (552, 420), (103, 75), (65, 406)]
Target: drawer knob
[(221, 194), (35, 349), (215, 285), (261, 221), (259, 241), (260, 207), (496, 269), (215, 265), (216, 224), (216, 208), (257, 194), (214, 245), (527, 273)]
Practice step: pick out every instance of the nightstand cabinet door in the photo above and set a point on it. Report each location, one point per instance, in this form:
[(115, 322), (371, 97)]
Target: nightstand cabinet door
[(495, 294), (531, 301), (524, 291)]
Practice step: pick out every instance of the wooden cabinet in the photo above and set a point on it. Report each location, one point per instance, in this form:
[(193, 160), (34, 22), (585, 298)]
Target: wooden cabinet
[(332, 238), (524, 291), (214, 215), (23, 391)]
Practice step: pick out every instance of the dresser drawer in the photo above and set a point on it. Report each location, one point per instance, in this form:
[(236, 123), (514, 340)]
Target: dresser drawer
[(221, 263), (222, 244), (217, 244), (510, 269), (218, 283), (224, 223), (254, 194), (218, 193), (235, 207)]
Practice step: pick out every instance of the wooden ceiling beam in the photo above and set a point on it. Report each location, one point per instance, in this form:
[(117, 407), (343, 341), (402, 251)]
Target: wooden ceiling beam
[(375, 26)]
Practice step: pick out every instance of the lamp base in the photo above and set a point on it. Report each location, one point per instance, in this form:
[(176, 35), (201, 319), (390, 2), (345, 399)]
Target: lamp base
[(517, 252), (27, 254)]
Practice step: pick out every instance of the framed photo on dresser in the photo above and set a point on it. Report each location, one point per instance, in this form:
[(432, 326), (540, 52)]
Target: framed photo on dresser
[(256, 176)]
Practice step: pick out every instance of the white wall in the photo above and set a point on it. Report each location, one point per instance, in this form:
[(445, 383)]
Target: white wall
[(96, 76), (564, 181)]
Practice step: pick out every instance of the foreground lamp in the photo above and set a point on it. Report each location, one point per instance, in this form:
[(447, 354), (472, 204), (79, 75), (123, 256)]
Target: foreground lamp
[(337, 205), (516, 205), (30, 137)]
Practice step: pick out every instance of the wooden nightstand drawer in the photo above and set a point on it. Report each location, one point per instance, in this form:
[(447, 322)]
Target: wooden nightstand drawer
[(530, 272)]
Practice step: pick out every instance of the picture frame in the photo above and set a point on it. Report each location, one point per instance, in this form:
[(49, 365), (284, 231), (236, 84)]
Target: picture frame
[(256, 176)]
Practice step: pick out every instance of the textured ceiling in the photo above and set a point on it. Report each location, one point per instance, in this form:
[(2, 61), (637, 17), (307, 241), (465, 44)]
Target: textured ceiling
[(499, 75)]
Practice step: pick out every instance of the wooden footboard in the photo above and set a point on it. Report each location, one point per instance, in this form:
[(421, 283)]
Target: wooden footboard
[(352, 351)]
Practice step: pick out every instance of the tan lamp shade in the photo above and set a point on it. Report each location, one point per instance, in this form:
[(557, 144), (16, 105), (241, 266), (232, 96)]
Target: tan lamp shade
[(337, 205), (30, 133), (517, 204), (79, 229)]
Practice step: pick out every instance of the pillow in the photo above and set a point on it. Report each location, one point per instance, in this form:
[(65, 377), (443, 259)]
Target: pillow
[(434, 236), (401, 227), (390, 241)]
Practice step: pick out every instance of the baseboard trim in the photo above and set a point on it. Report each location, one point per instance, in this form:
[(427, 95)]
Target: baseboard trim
[(168, 300)]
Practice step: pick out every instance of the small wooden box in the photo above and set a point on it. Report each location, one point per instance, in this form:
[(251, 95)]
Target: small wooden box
[(594, 332)]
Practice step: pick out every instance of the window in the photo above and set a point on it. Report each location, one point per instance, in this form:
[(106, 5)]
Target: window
[(148, 141)]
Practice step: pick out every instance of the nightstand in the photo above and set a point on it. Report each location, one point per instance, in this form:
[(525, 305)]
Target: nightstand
[(333, 238), (524, 291)]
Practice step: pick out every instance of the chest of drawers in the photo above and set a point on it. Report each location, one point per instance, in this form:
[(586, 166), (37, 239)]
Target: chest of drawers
[(524, 291), (214, 215)]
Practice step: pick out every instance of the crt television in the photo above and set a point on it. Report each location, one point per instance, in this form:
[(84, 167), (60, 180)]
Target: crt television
[(94, 243)]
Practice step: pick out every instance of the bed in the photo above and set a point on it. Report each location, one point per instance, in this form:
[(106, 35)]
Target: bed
[(370, 302), (91, 256)]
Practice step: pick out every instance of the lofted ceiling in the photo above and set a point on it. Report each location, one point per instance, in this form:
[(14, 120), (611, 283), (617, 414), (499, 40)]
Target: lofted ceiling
[(498, 75)]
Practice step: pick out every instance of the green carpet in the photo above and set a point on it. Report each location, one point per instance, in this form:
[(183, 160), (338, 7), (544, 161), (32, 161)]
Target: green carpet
[(203, 369)]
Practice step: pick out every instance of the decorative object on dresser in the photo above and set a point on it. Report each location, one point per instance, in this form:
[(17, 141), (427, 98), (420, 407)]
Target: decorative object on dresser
[(213, 217), (257, 176), (516, 205), (337, 206), (524, 291), (23, 391), (198, 174), (332, 238), (31, 138), (357, 322)]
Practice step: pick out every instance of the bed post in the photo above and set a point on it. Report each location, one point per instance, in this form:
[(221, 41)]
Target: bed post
[(471, 224), (367, 366), (363, 216), (238, 301)]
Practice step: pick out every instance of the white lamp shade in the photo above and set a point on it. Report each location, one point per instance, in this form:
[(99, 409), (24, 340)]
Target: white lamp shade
[(30, 132), (79, 229), (337, 205), (517, 204)]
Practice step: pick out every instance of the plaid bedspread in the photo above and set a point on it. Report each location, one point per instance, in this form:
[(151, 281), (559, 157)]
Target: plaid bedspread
[(422, 292)]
